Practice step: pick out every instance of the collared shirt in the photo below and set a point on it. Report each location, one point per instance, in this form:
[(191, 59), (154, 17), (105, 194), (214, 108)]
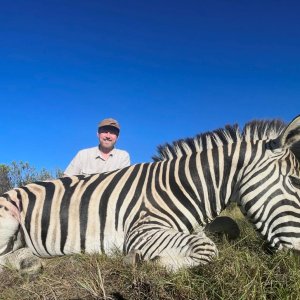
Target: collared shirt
[(89, 161)]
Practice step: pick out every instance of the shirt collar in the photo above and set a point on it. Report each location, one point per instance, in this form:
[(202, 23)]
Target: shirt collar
[(98, 152)]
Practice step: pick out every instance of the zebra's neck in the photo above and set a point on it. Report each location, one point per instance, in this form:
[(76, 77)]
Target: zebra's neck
[(205, 183)]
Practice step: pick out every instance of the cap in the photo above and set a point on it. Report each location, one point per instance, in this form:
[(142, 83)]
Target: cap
[(109, 122)]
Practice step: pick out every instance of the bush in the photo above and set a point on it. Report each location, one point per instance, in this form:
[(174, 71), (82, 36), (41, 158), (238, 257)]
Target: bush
[(20, 173)]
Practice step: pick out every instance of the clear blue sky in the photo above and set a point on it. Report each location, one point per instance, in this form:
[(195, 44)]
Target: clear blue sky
[(165, 69)]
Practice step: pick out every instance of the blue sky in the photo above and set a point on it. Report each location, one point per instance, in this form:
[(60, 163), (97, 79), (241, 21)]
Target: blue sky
[(165, 69)]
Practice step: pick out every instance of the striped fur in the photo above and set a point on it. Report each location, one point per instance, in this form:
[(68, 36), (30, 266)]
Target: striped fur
[(154, 210)]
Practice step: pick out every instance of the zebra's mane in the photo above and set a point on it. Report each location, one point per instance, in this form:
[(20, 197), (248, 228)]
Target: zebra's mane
[(252, 131)]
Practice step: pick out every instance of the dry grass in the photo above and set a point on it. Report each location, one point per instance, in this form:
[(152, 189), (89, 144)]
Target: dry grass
[(242, 271)]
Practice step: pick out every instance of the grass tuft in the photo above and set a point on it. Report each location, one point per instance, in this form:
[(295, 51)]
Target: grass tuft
[(243, 270)]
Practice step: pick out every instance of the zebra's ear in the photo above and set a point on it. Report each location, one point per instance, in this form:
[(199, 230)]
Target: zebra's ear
[(290, 135), (289, 138)]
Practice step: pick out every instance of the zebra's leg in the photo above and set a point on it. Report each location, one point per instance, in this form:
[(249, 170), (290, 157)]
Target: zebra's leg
[(170, 248), (22, 260)]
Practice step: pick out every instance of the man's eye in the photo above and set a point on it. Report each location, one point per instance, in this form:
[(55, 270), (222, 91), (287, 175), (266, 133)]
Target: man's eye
[(295, 182)]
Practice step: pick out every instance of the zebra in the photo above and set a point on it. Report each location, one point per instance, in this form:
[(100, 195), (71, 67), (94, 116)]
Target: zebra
[(158, 210)]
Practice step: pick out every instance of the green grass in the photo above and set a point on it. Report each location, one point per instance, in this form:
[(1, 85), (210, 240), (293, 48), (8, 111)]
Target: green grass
[(242, 271)]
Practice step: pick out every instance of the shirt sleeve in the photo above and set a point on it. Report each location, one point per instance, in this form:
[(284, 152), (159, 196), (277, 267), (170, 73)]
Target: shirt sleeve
[(74, 167)]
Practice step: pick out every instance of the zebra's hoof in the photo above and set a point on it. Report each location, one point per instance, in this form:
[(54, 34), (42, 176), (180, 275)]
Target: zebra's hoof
[(31, 266), (224, 225), (24, 261)]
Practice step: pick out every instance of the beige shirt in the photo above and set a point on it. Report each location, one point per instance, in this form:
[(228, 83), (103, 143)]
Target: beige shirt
[(89, 161)]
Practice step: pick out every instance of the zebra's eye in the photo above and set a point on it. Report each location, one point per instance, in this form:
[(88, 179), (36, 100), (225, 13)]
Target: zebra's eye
[(295, 181)]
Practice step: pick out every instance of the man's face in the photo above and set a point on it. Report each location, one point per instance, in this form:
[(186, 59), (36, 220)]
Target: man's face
[(108, 136)]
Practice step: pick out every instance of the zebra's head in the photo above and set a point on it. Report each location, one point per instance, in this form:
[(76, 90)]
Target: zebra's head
[(270, 193)]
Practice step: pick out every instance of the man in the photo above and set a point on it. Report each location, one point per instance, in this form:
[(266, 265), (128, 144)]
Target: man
[(103, 158)]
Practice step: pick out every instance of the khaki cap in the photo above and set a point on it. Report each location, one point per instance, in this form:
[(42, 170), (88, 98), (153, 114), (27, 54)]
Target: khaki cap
[(109, 122)]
